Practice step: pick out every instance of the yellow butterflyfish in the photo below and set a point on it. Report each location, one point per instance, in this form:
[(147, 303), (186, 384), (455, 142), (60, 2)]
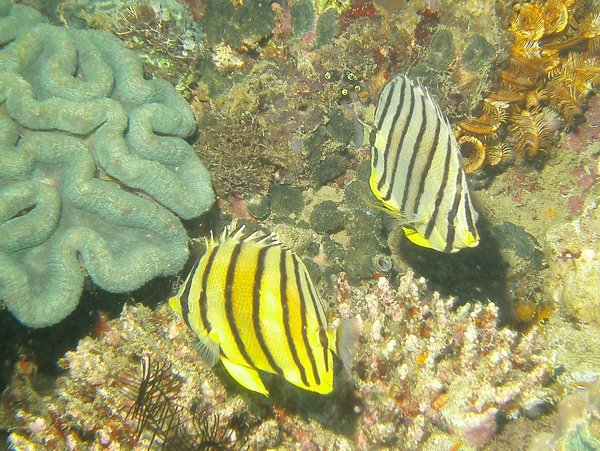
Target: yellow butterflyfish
[(252, 304)]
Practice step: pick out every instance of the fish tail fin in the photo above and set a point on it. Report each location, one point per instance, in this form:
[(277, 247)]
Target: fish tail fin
[(346, 339)]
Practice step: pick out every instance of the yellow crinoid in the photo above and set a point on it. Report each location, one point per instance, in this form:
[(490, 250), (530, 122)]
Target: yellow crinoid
[(554, 65)]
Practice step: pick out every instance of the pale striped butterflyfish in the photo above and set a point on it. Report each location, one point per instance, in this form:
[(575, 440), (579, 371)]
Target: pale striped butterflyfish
[(417, 170), (252, 304)]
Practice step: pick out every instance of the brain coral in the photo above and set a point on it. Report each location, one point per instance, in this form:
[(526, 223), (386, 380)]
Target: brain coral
[(93, 168)]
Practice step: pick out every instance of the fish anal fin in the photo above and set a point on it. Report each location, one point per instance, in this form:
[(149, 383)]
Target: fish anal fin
[(208, 350), (416, 237), (245, 376)]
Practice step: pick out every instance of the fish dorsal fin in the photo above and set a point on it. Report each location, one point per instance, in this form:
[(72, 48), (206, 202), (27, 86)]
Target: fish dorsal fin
[(258, 236), (245, 376), (208, 350)]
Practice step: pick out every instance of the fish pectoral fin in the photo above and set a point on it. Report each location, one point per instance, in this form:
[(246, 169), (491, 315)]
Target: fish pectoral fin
[(245, 376), (208, 350), (416, 237), (364, 133)]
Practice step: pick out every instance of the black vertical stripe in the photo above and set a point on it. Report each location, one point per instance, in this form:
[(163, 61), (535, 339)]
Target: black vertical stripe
[(469, 215), (441, 189), (303, 319), (203, 300), (229, 284), (390, 134), (413, 157), (315, 300), (375, 131), (316, 303), (256, 303), (286, 317), (372, 135), (431, 155), (325, 344), (374, 152), (386, 106), (451, 233), (184, 300)]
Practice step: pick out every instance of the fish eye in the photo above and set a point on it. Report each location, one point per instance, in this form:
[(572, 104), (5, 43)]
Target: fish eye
[(351, 76), (344, 91), (328, 75)]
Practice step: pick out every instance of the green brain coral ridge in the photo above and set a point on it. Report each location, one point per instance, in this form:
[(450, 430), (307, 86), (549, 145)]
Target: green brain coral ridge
[(94, 169)]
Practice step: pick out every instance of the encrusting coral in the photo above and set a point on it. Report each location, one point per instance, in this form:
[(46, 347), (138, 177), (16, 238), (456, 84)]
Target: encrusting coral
[(574, 261), (427, 376), (577, 423), (93, 168)]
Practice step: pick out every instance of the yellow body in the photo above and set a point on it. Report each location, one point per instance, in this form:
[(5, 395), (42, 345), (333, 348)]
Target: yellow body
[(252, 301)]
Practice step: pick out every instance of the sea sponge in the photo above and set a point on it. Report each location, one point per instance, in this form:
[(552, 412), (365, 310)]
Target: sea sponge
[(94, 168)]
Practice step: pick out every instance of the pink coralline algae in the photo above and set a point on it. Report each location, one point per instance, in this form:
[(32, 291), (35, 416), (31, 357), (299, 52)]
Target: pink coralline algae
[(433, 374)]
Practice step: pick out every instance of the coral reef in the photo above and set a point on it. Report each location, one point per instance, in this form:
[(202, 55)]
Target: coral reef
[(577, 425), (243, 26), (100, 402), (574, 251), (269, 84), (432, 375), (165, 34), (427, 374), (554, 64), (93, 168)]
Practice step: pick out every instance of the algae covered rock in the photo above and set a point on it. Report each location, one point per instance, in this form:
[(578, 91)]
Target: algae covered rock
[(94, 168), (574, 250)]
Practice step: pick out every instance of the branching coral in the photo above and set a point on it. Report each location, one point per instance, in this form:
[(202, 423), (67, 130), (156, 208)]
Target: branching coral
[(428, 370), (554, 65)]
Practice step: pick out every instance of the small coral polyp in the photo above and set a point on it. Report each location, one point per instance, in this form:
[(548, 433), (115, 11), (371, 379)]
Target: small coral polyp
[(554, 65), (94, 170)]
